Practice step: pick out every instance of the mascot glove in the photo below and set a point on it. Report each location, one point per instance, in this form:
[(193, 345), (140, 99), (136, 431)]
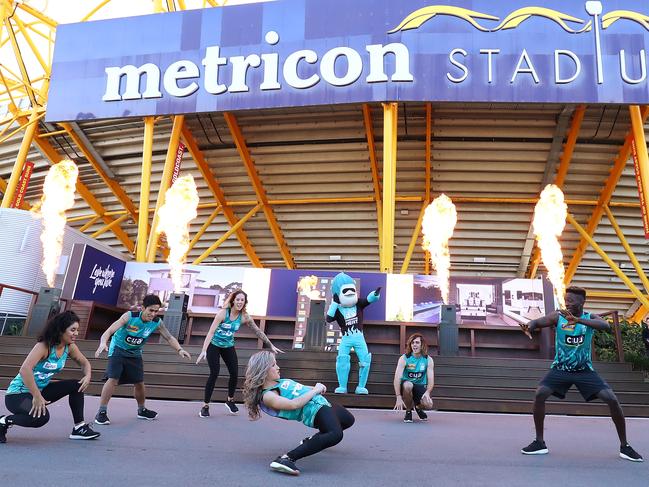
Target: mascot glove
[(333, 307)]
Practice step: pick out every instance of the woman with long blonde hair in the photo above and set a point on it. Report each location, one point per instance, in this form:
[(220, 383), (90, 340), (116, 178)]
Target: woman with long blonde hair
[(219, 343), (264, 390)]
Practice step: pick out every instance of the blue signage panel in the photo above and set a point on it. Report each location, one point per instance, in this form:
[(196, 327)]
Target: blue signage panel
[(100, 277), (319, 52)]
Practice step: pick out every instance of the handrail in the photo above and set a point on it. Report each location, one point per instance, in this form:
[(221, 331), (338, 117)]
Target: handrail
[(617, 332)]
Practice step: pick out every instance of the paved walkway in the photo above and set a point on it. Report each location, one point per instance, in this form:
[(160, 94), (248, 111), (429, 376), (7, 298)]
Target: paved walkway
[(452, 449)]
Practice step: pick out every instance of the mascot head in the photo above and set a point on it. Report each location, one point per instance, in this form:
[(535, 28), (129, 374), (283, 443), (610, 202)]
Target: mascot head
[(344, 287)]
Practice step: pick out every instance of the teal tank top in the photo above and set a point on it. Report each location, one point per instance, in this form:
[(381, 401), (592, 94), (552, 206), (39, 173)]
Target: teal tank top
[(573, 346), (133, 335), (43, 372), (290, 389), (224, 334), (415, 369)]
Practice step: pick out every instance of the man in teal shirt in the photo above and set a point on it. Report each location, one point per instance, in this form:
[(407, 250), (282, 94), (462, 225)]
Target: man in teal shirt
[(573, 365)]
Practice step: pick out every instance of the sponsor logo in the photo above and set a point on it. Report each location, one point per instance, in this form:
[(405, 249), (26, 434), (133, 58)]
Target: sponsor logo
[(50, 365), (133, 340), (575, 341)]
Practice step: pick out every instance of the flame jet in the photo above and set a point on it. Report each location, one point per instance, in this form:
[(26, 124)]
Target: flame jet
[(437, 226), (180, 208), (58, 196), (549, 221)]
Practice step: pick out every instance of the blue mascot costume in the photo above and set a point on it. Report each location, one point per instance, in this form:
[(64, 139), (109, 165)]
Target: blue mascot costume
[(347, 310)]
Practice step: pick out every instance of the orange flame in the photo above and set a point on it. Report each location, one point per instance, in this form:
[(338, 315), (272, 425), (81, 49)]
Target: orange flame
[(58, 196), (179, 208), (550, 215), (437, 225)]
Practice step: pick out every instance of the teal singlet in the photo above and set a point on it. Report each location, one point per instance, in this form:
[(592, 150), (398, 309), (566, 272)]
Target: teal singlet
[(415, 369), (573, 345), (224, 334), (133, 335), (290, 390), (43, 372)]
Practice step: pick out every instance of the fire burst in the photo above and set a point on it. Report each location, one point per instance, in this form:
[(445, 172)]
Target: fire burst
[(58, 196), (549, 220), (181, 203), (438, 224)]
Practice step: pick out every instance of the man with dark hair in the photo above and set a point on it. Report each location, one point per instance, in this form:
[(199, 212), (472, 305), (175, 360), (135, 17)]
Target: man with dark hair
[(130, 332), (414, 379), (573, 365)]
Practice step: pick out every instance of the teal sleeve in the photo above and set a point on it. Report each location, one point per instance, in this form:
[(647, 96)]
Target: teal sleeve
[(373, 296), (333, 307)]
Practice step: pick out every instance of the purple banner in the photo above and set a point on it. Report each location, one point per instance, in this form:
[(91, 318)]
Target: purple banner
[(317, 52), (100, 276)]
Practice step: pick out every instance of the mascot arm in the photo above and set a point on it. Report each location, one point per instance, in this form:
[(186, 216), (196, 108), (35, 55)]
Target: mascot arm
[(374, 295)]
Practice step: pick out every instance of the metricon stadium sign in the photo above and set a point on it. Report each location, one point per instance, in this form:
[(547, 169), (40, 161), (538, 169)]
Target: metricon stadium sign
[(302, 52)]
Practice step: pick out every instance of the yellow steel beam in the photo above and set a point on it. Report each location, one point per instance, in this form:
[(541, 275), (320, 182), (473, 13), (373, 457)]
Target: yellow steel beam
[(20, 161), (610, 294), (145, 184), (227, 234), (642, 158), (203, 228), (54, 157), (389, 184), (614, 267), (219, 196), (413, 239), (32, 121), (35, 50), (89, 223), (101, 5), (39, 15), (370, 199), (165, 182), (20, 61), (113, 185), (569, 147), (604, 198), (376, 180), (627, 248), (3, 187), (110, 226), (562, 172), (249, 164), (640, 314)]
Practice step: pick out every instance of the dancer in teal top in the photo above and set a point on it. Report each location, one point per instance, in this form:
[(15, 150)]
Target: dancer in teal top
[(414, 379), (264, 390), (129, 334), (572, 365), (219, 343), (32, 389)]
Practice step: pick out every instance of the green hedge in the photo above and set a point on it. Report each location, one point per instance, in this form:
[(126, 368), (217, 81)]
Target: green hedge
[(634, 350)]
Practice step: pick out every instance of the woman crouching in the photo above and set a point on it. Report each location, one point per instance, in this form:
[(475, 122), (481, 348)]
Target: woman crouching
[(264, 390)]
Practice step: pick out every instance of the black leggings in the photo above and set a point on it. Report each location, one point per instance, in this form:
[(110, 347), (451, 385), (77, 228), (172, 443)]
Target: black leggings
[(232, 363), (20, 404), (331, 421)]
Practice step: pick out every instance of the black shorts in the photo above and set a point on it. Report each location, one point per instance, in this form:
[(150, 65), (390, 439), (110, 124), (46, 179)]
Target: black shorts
[(417, 391), (588, 382), (127, 369)]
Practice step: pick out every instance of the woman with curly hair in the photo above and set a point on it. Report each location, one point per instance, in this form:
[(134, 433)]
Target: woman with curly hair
[(32, 390), (219, 343), (264, 390)]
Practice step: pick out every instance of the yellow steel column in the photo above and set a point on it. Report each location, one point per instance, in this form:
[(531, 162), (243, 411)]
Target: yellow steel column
[(627, 248), (145, 183), (584, 234), (20, 162), (413, 240), (376, 181), (389, 184), (637, 125), (165, 182), (429, 156)]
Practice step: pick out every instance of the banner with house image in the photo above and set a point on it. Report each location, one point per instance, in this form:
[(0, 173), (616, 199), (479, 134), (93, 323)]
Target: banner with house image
[(206, 286)]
